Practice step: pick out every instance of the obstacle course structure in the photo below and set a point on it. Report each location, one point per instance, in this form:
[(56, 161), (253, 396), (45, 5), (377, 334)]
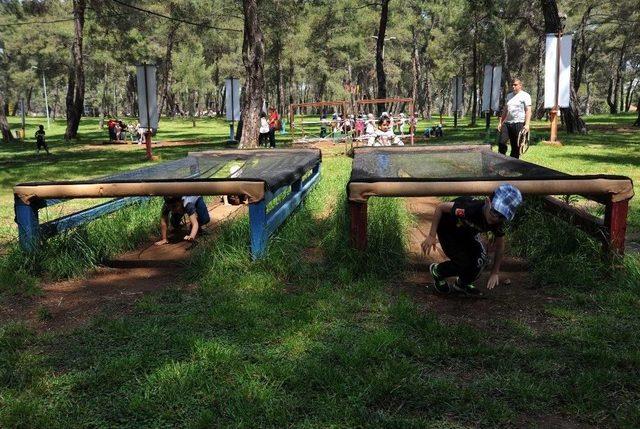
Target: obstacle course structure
[(260, 175), (476, 170), (302, 128), (360, 105)]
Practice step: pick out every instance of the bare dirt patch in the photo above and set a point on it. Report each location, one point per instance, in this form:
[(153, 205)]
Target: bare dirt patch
[(113, 289), (521, 300)]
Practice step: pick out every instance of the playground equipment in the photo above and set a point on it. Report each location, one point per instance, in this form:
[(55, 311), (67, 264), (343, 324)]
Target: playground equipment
[(260, 175), (476, 170), (361, 106), (300, 129)]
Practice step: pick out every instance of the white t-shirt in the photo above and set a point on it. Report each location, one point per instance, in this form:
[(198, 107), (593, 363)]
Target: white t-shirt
[(264, 126), (516, 106)]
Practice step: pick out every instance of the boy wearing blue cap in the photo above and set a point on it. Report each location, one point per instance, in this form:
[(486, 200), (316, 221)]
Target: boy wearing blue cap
[(457, 225)]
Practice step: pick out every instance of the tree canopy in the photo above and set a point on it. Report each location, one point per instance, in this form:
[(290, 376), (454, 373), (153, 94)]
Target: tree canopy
[(312, 50)]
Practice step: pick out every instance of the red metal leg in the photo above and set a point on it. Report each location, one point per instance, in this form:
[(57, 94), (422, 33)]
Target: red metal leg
[(358, 225), (615, 221)]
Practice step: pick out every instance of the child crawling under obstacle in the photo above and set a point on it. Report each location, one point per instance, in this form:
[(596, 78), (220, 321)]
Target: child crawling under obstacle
[(457, 225), (173, 212)]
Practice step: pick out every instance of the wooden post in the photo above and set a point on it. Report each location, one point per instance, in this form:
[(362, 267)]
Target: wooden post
[(28, 224), (615, 222), (358, 225), (147, 142)]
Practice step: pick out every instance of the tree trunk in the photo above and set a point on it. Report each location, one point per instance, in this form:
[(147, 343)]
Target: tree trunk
[(630, 89), (474, 89), (75, 107), (538, 113), (380, 74), (29, 94), (7, 137), (585, 51), (416, 72), (587, 103), (613, 107), (253, 60), (637, 122), (621, 95), (56, 97), (167, 69), (553, 24)]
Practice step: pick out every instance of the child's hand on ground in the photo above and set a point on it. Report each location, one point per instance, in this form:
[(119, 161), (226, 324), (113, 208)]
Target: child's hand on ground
[(188, 238), (429, 244), (161, 242), (493, 281)]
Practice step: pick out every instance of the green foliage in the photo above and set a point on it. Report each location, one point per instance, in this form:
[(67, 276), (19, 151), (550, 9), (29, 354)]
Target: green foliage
[(298, 339)]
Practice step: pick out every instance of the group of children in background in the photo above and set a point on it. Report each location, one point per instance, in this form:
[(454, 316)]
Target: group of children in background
[(118, 130), (378, 132)]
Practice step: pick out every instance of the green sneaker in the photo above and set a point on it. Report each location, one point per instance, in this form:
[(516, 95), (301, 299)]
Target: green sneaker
[(439, 283), (469, 290)]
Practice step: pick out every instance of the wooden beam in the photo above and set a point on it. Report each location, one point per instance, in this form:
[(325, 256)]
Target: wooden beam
[(583, 220), (615, 222), (358, 225)]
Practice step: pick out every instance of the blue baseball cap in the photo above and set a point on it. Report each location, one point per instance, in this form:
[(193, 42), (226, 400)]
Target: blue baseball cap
[(506, 200)]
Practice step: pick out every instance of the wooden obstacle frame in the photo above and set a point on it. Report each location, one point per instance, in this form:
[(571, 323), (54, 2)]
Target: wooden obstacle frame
[(409, 101), (293, 128), (263, 222), (614, 192)]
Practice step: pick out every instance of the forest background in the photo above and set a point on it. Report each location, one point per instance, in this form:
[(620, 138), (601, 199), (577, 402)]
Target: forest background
[(86, 50)]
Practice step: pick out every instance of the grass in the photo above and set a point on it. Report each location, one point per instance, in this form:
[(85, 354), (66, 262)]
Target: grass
[(297, 341), (301, 341)]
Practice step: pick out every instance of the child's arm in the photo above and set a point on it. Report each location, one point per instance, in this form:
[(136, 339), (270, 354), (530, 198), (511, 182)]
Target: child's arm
[(193, 218), (164, 221), (430, 242), (494, 277)]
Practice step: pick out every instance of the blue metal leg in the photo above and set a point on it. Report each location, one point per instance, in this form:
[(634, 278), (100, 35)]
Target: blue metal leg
[(28, 224), (258, 226)]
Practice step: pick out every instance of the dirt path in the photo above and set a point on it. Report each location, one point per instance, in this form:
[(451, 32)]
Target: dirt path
[(520, 300), (114, 288)]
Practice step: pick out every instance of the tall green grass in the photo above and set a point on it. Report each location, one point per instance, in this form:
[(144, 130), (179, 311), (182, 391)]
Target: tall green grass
[(311, 337), (73, 252)]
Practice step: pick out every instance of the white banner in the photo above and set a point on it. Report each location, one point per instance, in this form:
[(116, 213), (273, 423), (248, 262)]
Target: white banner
[(551, 71), (457, 94), (148, 114), (491, 88), (232, 98)]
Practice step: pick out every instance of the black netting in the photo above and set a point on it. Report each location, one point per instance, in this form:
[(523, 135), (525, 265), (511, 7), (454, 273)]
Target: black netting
[(274, 167), (438, 164)]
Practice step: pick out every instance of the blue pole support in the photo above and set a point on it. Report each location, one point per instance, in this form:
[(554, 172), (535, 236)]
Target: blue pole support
[(258, 227), (28, 224)]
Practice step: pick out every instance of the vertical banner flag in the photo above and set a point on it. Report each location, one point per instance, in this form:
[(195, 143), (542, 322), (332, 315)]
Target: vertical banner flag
[(491, 88), (457, 93), (557, 75), (232, 98), (148, 113)]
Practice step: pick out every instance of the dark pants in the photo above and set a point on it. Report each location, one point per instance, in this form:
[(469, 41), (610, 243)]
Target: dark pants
[(272, 137), (42, 145), (510, 132), (262, 141), (466, 259)]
